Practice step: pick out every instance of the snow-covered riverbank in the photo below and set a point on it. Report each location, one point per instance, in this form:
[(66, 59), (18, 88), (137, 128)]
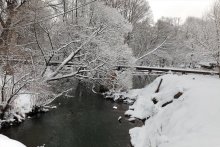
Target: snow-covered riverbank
[(7, 142), (182, 111)]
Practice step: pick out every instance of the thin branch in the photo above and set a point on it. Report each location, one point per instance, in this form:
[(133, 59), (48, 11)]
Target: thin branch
[(74, 53), (63, 77), (66, 45), (58, 95), (152, 50), (51, 16), (41, 50)]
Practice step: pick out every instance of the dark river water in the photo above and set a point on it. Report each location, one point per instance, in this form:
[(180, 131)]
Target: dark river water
[(85, 120)]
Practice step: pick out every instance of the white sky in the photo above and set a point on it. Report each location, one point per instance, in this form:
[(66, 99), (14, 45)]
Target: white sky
[(179, 8)]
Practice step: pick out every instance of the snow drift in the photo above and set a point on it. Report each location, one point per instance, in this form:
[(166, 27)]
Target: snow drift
[(184, 112), (6, 142)]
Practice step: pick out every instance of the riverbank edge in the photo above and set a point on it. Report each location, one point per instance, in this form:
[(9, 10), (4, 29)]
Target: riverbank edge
[(163, 96)]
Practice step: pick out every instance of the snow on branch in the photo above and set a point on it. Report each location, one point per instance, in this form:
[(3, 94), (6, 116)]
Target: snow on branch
[(152, 50), (74, 53), (51, 16)]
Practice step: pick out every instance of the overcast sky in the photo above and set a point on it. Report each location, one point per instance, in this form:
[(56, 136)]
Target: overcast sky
[(179, 8)]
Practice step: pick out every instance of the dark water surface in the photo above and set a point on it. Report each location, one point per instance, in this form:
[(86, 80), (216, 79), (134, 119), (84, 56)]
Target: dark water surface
[(87, 120)]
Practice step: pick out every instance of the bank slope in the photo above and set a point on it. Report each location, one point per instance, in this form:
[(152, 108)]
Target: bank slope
[(184, 111)]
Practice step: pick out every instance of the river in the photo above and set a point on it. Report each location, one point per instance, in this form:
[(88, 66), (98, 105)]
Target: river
[(85, 120)]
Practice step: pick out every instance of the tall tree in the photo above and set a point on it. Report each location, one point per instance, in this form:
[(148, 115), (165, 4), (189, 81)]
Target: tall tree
[(132, 10), (8, 14)]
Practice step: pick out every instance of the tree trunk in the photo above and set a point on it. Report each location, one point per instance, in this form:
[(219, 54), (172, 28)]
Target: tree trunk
[(2, 116), (7, 33), (219, 70), (76, 14)]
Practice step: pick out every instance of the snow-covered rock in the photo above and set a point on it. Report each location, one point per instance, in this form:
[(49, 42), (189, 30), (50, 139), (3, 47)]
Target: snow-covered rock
[(24, 103), (20, 107), (7, 142), (189, 120), (115, 107)]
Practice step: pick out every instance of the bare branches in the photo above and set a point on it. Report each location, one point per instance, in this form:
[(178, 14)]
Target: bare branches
[(74, 53), (83, 51), (64, 76), (38, 44), (51, 16), (58, 95), (79, 73)]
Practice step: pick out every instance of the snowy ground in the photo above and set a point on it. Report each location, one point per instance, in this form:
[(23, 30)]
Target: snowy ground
[(6, 142), (191, 119)]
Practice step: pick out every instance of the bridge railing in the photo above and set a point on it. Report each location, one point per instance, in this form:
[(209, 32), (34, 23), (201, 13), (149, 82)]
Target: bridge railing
[(166, 69)]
